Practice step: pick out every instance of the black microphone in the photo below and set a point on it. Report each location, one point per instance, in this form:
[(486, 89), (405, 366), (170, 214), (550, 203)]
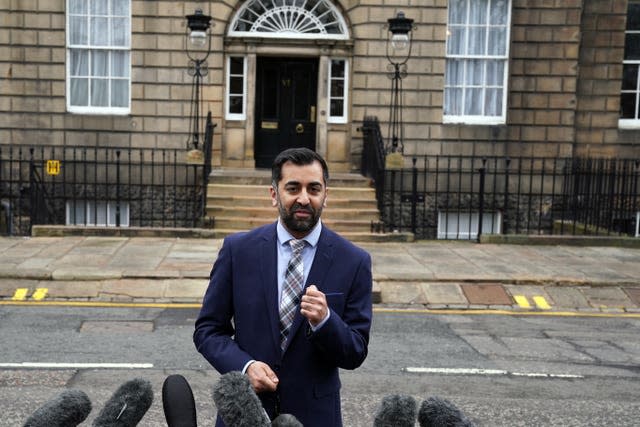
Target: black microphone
[(127, 405), (286, 420), (396, 410), (438, 412), (67, 409), (178, 403), (238, 405)]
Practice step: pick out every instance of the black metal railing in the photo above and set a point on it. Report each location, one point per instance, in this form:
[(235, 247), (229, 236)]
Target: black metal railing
[(99, 186), (462, 197)]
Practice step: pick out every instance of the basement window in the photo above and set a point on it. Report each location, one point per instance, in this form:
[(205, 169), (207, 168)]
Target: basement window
[(464, 225), (100, 213)]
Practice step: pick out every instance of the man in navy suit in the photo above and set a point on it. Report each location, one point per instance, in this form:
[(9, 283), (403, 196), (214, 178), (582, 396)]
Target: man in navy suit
[(238, 328)]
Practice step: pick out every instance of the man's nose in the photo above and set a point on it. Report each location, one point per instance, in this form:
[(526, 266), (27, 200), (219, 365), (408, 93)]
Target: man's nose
[(303, 198)]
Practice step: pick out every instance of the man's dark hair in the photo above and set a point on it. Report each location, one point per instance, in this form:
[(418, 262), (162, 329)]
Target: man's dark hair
[(299, 157)]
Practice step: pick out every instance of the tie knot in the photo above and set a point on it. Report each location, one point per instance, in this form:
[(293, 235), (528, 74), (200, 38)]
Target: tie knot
[(296, 246)]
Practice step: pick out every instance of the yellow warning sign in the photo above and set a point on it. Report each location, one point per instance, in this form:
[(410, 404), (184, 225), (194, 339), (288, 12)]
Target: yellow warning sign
[(53, 167)]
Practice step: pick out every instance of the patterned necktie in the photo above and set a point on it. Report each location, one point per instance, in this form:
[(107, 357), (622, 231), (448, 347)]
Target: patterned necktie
[(291, 289)]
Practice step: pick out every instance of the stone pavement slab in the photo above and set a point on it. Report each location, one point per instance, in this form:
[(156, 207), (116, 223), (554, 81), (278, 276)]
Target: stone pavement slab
[(486, 294), (634, 295)]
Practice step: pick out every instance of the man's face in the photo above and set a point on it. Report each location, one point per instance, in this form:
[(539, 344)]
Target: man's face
[(300, 197)]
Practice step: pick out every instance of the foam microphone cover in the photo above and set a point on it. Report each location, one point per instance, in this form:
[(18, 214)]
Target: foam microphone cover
[(127, 405), (238, 405), (286, 420), (178, 403), (67, 409), (438, 412), (396, 410)]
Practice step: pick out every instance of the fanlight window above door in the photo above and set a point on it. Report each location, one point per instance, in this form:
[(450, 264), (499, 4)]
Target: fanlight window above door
[(296, 19)]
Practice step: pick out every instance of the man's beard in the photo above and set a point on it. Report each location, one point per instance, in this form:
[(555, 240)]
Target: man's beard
[(299, 225)]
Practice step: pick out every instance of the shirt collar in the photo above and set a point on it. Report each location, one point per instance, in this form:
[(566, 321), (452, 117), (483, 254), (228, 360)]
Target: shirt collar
[(312, 238)]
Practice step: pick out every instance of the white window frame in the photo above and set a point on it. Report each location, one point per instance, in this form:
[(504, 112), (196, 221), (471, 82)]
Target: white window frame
[(229, 115), (88, 109), (632, 123), (88, 209), (480, 119), (464, 225), (345, 92), (638, 224)]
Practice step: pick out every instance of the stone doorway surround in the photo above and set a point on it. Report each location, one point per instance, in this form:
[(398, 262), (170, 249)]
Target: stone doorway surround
[(333, 140)]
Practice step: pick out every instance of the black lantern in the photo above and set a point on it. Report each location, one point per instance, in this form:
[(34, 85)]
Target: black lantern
[(198, 49), (398, 52)]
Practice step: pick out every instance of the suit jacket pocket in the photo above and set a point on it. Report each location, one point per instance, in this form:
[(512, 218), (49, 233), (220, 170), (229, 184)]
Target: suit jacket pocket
[(335, 301)]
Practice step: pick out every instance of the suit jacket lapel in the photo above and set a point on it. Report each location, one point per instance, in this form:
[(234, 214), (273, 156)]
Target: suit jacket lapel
[(321, 263), (268, 269)]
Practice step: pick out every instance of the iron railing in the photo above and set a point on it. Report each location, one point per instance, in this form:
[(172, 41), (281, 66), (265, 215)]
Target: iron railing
[(99, 186), (462, 197)]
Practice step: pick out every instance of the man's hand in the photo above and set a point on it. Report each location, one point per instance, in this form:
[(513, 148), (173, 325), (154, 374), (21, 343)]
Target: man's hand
[(261, 376), (314, 306)]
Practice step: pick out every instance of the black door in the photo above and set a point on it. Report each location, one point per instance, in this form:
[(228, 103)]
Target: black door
[(286, 93)]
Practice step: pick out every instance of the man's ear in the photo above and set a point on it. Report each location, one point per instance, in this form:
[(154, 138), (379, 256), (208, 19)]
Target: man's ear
[(326, 196), (274, 196)]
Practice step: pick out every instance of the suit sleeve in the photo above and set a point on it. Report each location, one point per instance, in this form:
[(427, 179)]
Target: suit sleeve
[(344, 339), (214, 329)]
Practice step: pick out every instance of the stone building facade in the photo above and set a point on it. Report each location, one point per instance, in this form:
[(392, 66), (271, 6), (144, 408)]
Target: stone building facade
[(558, 92)]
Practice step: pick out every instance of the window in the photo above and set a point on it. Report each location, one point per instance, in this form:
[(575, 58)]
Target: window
[(98, 56), (464, 225), (477, 55), (101, 213), (630, 94), (236, 87), (338, 72), (309, 19)]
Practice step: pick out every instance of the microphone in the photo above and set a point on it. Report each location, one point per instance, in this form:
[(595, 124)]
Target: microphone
[(437, 412), (68, 409), (238, 405), (396, 410), (286, 420), (127, 405), (178, 403)]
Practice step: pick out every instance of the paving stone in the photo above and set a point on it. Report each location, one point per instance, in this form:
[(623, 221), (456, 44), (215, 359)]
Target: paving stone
[(567, 297), (634, 294), (402, 292), (443, 293), (602, 297), (486, 294)]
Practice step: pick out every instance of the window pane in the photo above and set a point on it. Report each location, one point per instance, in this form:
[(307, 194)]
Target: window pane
[(493, 102), (478, 12), (497, 41), (632, 46), (453, 101), (99, 7), (457, 11), (495, 73), (120, 7), (235, 104), (79, 65), (455, 42), (630, 76), (120, 63), (119, 32), (628, 106), (477, 41), (455, 72), (498, 13), (337, 68), (633, 16), (99, 92), (236, 85), (337, 88), (78, 33), (100, 63), (337, 108), (79, 92), (236, 65), (78, 6), (473, 102), (120, 93), (99, 32), (475, 73)]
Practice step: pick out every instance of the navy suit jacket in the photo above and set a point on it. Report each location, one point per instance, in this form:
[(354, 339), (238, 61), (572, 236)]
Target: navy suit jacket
[(239, 322)]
